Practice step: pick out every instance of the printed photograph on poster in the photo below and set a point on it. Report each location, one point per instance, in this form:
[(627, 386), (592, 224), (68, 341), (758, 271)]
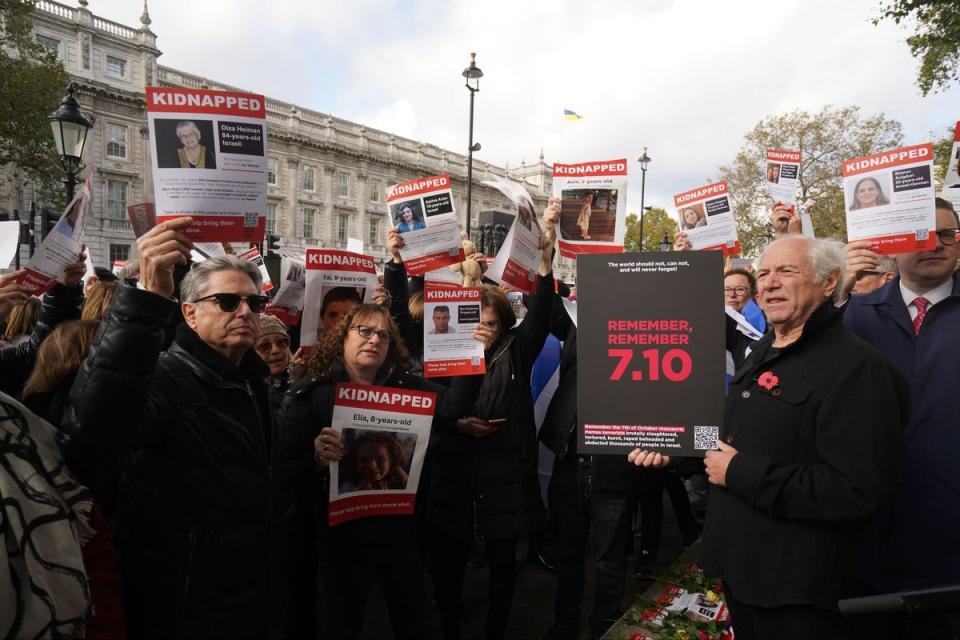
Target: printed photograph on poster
[(783, 173), (450, 314), (385, 432), (223, 133), (376, 460), (593, 209), (890, 199), (185, 144), (588, 214), (253, 255), (336, 282), (649, 376), (407, 216), (705, 215)]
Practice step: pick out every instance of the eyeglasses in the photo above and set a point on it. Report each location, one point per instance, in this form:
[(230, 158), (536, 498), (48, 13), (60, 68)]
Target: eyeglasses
[(737, 290), (367, 332), (230, 302), (266, 345), (948, 236)]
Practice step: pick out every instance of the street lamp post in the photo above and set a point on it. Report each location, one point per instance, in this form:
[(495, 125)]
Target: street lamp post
[(665, 244), (644, 161), (472, 75), (70, 127)]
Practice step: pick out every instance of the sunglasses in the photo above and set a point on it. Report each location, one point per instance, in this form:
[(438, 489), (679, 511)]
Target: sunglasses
[(230, 302)]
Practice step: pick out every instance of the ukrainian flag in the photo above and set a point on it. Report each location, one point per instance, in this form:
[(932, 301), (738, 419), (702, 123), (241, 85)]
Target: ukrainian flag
[(571, 115)]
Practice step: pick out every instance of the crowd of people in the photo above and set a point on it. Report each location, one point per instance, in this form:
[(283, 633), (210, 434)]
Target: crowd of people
[(167, 458)]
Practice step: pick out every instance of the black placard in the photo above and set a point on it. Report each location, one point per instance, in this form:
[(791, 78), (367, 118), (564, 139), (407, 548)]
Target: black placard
[(650, 352)]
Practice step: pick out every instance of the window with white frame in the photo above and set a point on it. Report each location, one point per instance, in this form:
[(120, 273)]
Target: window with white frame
[(309, 179), (374, 191), (116, 66), (308, 219), (117, 199), (52, 45), (343, 222), (116, 141), (343, 185), (271, 227), (373, 231), (272, 171), (119, 252)]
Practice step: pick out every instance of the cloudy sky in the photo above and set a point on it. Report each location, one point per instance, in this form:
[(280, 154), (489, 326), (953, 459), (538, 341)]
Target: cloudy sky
[(686, 78)]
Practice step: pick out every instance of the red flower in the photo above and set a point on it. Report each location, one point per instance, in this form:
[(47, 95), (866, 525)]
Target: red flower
[(718, 587), (637, 636), (768, 380), (703, 635)]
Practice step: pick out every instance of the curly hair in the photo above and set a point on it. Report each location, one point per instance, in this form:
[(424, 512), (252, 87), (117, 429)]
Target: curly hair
[(328, 352), (396, 476)]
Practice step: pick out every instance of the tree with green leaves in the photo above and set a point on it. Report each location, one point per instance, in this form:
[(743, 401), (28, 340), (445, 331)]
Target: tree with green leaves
[(826, 139), (935, 42), (656, 223), (32, 81)]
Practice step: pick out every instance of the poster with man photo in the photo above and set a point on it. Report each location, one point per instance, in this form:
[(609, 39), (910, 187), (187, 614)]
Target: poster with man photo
[(890, 199), (385, 431), (185, 144)]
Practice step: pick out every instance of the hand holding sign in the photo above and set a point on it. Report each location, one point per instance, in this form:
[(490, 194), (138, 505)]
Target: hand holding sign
[(160, 250), (551, 216), (73, 273), (860, 257), (394, 244), (717, 463), (681, 242), (11, 293), (327, 446), (648, 459)]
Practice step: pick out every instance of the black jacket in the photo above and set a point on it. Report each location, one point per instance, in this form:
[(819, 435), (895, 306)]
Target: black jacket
[(60, 303), (197, 523), (491, 482), (817, 426)]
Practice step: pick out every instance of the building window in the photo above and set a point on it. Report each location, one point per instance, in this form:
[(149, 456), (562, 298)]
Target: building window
[(374, 231), (117, 199), (116, 141), (343, 185), (119, 252), (116, 66), (308, 215), (272, 171), (52, 45), (343, 221), (271, 218), (309, 179), (374, 191)]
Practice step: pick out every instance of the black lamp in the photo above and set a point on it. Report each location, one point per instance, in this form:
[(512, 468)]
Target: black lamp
[(70, 128)]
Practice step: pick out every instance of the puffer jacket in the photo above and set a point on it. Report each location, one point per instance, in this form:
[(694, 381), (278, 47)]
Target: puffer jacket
[(488, 486), (198, 523)]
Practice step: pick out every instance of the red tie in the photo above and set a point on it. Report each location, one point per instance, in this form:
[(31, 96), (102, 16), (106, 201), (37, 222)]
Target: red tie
[(921, 305)]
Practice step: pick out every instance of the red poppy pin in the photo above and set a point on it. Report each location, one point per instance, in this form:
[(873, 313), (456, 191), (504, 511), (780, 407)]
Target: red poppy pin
[(768, 380)]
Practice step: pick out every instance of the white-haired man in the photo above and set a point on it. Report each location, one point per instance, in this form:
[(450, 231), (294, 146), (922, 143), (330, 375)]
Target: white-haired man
[(809, 450), (196, 514)]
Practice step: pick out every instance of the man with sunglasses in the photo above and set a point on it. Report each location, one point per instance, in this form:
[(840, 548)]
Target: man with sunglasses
[(180, 444), (915, 320)]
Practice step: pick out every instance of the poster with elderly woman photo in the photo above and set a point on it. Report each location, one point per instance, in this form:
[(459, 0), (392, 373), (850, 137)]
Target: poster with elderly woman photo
[(209, 161), (384, 434), (890, 199)]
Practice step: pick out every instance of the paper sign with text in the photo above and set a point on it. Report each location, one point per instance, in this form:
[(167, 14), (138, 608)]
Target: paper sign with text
[(417, 204), (706, 216), (432, 248), (783, 175), (951, 180), (209, 161), (450, 314), (253, 255), (593, 206), (336, 282)]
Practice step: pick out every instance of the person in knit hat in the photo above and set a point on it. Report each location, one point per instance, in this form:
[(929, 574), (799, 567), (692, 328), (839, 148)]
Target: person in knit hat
[(273, 347)]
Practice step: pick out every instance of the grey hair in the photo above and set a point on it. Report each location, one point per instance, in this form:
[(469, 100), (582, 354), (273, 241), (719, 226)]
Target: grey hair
[(188, 125), (826, 255), (886, 264), (194, 285)]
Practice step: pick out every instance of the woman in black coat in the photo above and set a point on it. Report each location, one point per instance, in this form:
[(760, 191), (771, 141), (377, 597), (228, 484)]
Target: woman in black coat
[(364, 348), (484, 480)]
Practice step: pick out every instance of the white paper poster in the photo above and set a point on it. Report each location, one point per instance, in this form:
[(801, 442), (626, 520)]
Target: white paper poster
[(9, 242), (450, 314), (287, 303), (253, 255), (951, 180), (783, 176), (61, 246), (336, 282), (706, 216), (417, 204), (517, 262), (385, 432), (432, 248), (890, 199), (209, 161), (593, 207)]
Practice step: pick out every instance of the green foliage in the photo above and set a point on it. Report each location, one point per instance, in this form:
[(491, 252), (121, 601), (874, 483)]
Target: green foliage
[(935, 41), (656, 222), (941, 155), (32, 82), (826, 139)]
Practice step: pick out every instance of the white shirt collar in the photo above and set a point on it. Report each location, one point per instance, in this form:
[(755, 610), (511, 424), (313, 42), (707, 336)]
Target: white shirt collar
[(933, 296)]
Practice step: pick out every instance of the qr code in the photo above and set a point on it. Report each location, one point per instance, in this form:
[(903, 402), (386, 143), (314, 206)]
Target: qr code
[(454, 252), (705, 438), (531, 275), (250, 219), (922, 234), (475, 361)]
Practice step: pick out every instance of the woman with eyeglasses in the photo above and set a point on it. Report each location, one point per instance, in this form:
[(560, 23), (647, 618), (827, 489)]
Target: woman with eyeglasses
[(365, 347), (484, 477)]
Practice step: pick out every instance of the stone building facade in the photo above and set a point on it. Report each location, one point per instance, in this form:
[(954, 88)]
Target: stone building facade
[(326, 175)]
